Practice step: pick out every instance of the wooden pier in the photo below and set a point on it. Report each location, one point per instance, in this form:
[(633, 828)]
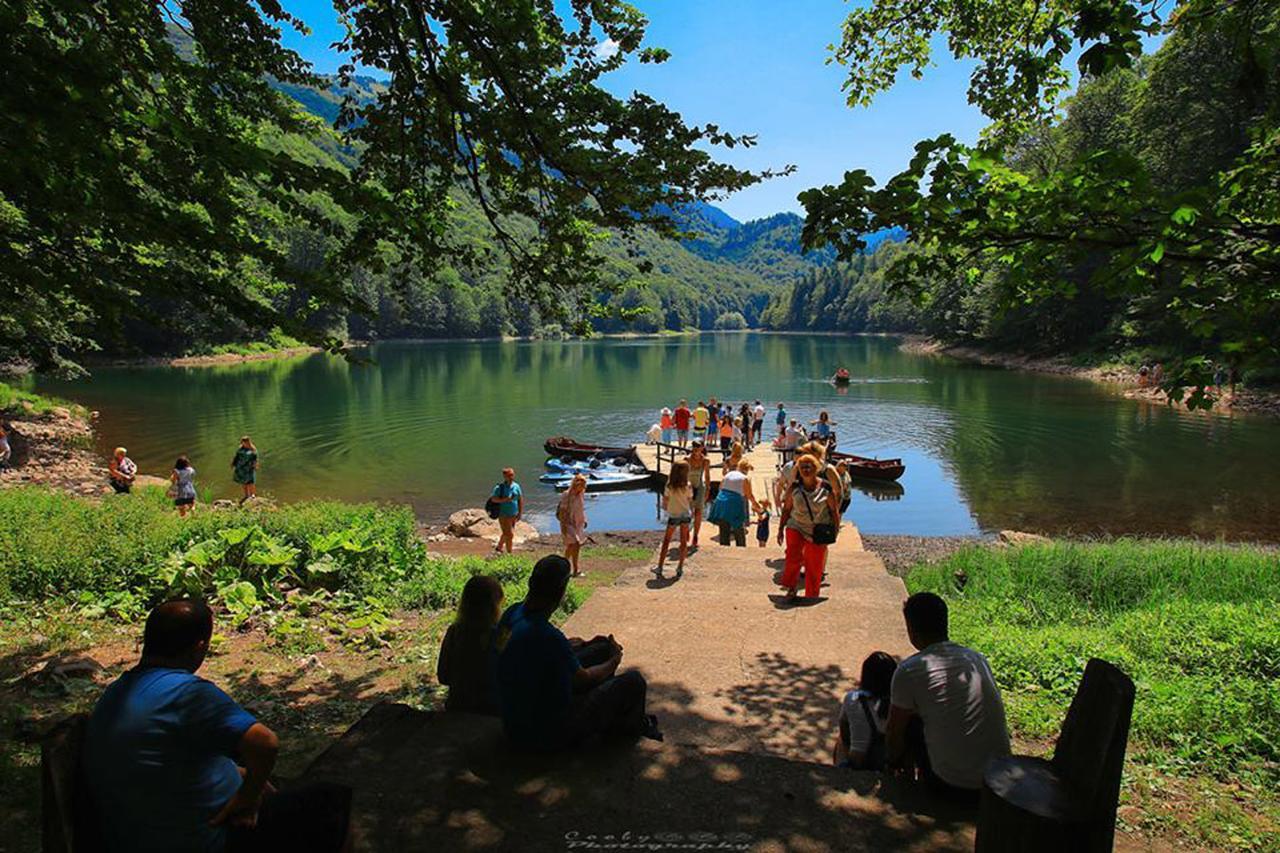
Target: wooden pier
[(659, 457)]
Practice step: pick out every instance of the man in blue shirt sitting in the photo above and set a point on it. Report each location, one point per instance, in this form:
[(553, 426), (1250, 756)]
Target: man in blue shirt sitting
[(174, 764), (556, 692)]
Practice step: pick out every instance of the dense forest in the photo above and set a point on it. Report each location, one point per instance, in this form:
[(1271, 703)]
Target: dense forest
[(721, 275)]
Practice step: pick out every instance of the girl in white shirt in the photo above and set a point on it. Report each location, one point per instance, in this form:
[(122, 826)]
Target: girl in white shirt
[(677, 500), (864, 713)]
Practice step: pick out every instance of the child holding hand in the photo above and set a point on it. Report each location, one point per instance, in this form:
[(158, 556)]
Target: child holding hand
[(762, 524)]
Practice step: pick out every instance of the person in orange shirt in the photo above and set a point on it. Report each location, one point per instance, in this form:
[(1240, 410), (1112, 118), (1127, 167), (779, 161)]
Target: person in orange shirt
[(667, 423)]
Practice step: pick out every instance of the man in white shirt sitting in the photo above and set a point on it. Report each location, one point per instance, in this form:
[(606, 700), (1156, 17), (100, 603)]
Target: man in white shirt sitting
[(946, 717)]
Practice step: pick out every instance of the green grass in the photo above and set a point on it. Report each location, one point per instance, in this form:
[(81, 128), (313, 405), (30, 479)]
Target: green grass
[(1196, 626), (276, 341), (17, 401), (349, 565)]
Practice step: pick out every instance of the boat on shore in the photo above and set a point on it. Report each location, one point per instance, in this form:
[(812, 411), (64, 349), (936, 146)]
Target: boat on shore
[(563, 447), (867, 468)]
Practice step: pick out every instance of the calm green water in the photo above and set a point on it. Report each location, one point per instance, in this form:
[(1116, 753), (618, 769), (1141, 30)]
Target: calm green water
[(432, 424)]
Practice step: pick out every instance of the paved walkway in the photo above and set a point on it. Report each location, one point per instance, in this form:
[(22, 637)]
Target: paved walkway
[(730, 665)]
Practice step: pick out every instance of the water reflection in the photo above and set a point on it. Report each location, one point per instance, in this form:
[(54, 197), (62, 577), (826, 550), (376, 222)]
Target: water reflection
[(432, 424)]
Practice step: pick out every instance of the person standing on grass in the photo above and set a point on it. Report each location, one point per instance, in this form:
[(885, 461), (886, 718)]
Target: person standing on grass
[(172, 764), (571, 512), (510, 500), (463, 664), (700, 482), (121, 471), (946, 715), (244, 468), (677, 500), (808, 504), (183, 478), (681, 416)]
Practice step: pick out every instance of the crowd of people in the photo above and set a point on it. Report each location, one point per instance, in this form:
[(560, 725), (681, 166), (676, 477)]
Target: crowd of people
[(122, 473), (172, 763)]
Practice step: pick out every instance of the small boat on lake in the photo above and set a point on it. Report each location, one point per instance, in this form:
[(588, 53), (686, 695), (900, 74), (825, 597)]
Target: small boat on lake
[(871, 469), (841, 376), (564, 447), (610, 481)]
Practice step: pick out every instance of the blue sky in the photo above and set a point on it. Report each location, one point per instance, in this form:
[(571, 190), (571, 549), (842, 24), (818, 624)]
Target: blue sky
[(757, 66)]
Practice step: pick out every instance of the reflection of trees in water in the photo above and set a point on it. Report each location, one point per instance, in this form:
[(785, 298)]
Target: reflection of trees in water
[(433, 421)]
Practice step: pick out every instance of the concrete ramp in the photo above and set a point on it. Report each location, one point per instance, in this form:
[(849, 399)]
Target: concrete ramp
[(730, 664)]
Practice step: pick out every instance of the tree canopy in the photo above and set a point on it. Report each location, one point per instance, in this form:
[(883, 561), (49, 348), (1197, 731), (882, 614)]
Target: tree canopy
[(1155, 188), (147, 168)]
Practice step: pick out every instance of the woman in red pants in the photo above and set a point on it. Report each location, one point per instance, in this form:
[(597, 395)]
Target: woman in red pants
[(809, 523)]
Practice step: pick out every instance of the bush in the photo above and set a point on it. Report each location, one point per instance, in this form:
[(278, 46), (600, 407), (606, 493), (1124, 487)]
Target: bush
[(125, 553), (731, 320), (1194, 625)]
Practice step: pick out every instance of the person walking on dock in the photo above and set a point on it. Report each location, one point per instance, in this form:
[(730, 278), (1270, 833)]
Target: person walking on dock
[(700, 418), (700, 481), (681, 417), (729, 512), (677, 500), (510, 500), (757, 421), (572, 515), (809, 521)]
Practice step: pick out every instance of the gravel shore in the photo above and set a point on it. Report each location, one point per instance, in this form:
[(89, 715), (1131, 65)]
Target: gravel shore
[(901, 553)]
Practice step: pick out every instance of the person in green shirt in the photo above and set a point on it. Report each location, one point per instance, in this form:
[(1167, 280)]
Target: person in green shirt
[(244, 468)]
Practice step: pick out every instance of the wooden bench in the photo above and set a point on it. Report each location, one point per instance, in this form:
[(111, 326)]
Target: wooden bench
[(1067, 803), (66, 823)]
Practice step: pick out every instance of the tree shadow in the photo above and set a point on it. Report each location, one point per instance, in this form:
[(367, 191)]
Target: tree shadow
[(450, 781)]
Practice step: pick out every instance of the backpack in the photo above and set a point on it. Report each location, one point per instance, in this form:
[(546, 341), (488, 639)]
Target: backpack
[(877, 751), (491, 506)]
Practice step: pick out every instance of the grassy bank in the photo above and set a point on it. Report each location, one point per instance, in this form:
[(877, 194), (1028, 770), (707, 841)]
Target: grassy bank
[(351, 563), (14, 400), (322, 610), (1196, 626)]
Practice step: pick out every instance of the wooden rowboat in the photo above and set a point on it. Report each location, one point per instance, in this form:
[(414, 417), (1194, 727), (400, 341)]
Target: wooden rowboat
[(871, 469), (562, 447)]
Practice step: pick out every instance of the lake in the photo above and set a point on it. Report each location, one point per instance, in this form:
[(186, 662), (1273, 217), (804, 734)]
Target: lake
[(432, 424)]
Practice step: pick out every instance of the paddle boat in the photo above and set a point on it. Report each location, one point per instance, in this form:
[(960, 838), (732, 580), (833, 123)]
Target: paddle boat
[(610, 481), (841, 376)]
